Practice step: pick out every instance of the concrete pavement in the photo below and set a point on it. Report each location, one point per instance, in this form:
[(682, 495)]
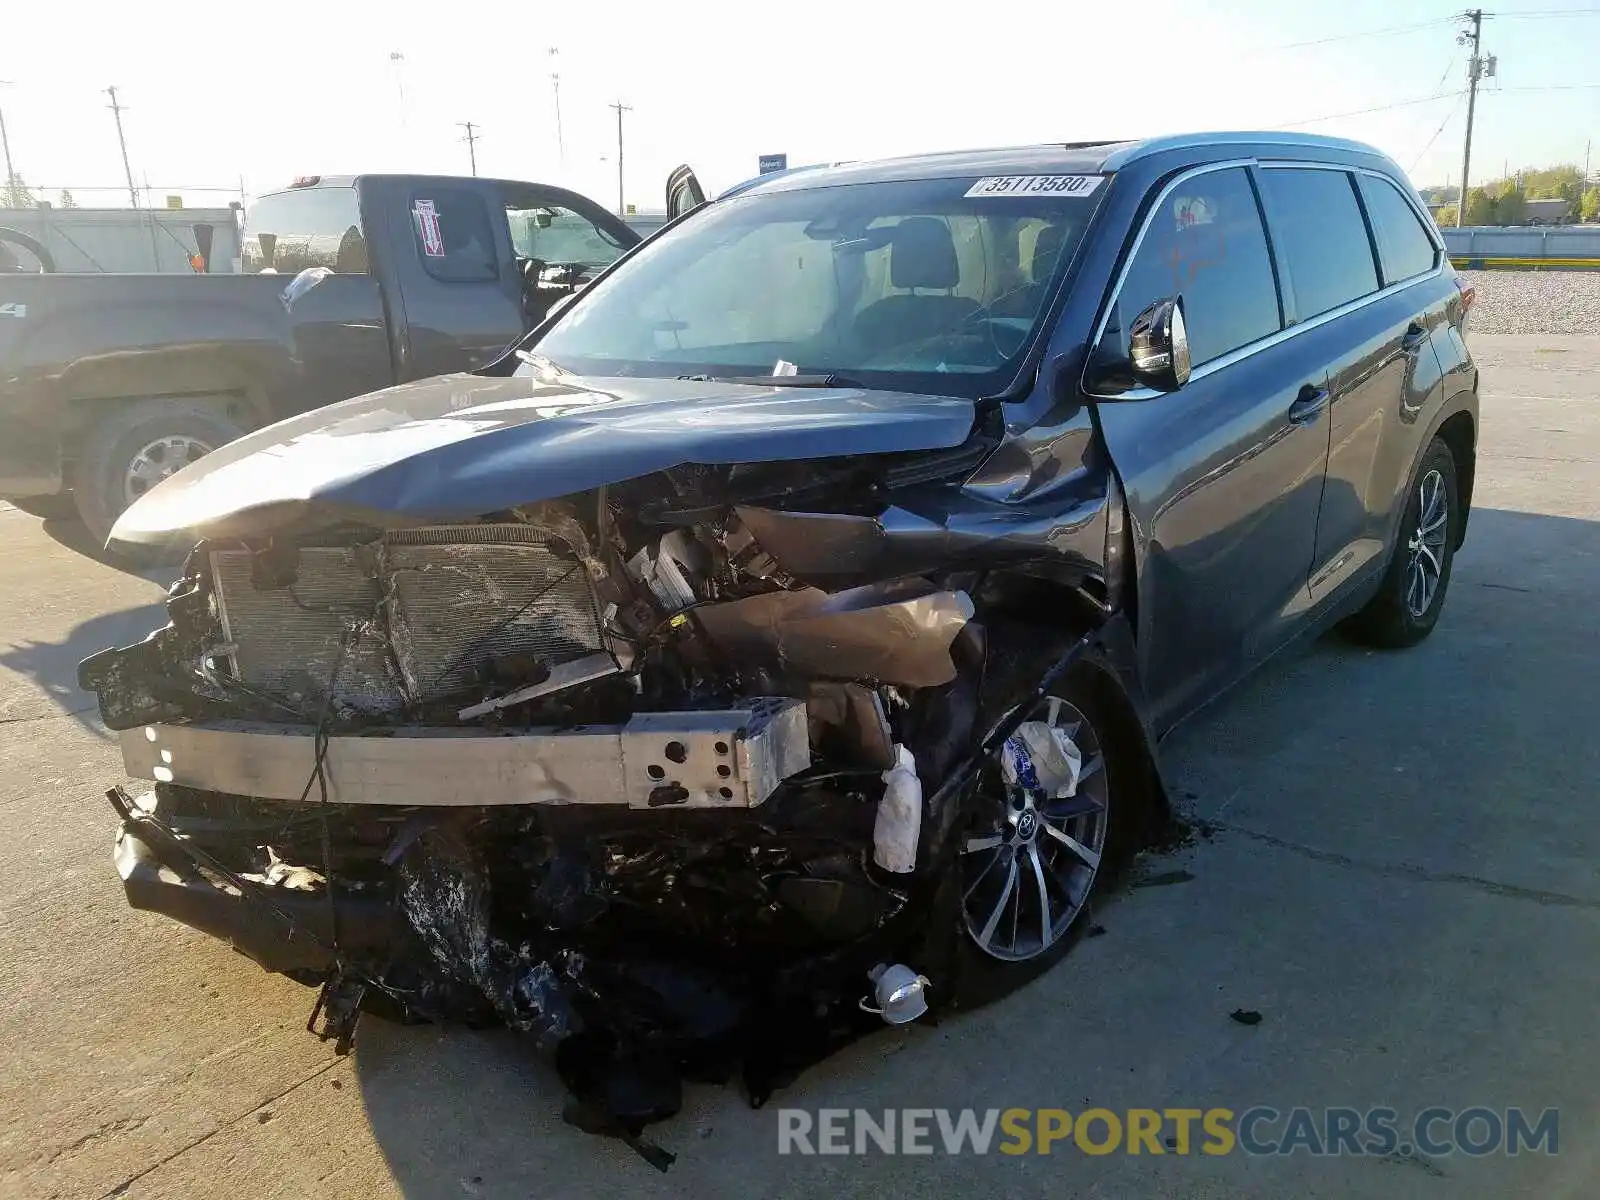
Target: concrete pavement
[(1401, 880)]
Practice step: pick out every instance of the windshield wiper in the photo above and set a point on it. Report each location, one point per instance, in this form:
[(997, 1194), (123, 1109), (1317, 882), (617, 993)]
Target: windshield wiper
[(794, 381)]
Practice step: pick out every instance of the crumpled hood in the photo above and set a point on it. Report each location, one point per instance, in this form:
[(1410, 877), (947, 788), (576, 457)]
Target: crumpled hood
[(458, 446)]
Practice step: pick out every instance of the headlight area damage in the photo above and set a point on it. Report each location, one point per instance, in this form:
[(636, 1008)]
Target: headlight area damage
[(660, 774)]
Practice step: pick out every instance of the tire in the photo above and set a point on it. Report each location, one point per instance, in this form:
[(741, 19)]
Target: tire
[(1403, 611), (1115, 772), (112, 447)]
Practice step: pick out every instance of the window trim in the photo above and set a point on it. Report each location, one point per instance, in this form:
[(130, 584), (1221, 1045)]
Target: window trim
[(1271, 340)]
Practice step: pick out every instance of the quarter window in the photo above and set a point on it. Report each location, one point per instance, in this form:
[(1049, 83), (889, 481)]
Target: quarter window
[(1405, 248), (1206, 243), (1318, 229)]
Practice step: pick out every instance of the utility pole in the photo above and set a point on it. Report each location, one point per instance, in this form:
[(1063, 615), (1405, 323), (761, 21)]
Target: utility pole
[(116, 111), (472, 143), (397, 59), (5, 142), (555, 86), (622, 208), (1474, 72)]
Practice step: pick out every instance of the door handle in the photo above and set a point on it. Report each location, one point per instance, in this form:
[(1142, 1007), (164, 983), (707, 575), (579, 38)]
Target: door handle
[(1311, 401), (1415, 335)]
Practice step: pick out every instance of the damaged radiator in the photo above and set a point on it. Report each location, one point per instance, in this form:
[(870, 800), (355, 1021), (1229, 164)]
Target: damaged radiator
[(420, 615)]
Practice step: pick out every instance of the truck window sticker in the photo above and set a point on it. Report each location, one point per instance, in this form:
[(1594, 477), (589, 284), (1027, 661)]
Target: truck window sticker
[(426, 214)]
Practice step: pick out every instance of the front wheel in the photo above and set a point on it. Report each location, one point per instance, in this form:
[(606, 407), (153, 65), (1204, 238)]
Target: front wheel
[(133, 448), (1031, 859), (1411, 596)]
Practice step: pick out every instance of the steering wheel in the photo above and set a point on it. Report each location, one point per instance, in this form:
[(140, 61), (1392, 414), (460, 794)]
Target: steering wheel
[(10, 264)]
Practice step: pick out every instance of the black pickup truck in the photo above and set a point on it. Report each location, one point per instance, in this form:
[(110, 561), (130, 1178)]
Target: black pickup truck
[(109, 383)]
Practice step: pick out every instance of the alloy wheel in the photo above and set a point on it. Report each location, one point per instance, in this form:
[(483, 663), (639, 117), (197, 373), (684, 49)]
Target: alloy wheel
[(1030, 862), (1425, 566)]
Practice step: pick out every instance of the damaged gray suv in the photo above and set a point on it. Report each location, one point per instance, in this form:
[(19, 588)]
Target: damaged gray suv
[(776, 640)]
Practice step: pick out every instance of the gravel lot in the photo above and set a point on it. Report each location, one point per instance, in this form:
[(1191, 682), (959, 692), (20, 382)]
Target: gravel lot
[(1535, 301)]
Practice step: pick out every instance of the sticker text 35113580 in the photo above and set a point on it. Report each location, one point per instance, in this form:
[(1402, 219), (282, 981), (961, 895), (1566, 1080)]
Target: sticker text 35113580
[(1035, 185)]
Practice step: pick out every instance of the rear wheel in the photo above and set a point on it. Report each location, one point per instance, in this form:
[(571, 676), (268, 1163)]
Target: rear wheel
[(1411, 596), (132, 449)]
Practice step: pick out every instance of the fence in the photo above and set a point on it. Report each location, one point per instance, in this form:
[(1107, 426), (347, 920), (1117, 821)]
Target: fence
[(124, 240), (1558, 247)]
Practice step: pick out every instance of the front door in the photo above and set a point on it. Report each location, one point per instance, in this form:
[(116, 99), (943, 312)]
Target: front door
[(1223, 476), (684, 192)]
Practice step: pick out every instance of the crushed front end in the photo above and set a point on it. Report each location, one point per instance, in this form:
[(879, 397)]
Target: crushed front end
[(660, 774)]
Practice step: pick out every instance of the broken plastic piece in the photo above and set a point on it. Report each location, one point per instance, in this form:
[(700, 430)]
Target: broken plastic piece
[(665, 569), (898, 993), (899, 820), (1040, 757)]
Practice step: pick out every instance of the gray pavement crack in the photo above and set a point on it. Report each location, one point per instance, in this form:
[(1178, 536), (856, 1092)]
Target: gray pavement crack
[(122, 1188), (1420, 874)]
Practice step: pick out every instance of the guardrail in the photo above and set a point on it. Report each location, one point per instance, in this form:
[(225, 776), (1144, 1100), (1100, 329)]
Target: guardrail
[(1525, 248)]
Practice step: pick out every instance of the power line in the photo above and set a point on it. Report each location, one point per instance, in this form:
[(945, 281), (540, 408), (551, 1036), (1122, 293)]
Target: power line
[(1423, 153), (1349, 37), (1357, 112), (1547, 12)]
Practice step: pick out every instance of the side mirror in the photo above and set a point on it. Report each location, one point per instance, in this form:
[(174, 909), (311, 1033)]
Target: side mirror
[(1158, 346)]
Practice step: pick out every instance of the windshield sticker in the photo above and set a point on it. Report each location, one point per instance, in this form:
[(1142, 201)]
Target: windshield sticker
[(428, 228), (1035, 185)]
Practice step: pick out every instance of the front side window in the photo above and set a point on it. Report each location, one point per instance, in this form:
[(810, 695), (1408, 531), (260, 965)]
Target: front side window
[(908, 285), (1320, 234), (1206, 243), (289, 231), (453, 237), (1405, 247)]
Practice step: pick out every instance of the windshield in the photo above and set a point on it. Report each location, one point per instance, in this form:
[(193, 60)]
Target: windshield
[(554, 235), (911, 286)]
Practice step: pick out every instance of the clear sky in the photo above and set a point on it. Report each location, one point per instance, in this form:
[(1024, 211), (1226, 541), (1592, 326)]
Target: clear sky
[(275, 88)]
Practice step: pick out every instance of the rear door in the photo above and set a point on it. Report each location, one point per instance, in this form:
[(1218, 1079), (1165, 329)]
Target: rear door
[(1224, 475), (1360, 318)]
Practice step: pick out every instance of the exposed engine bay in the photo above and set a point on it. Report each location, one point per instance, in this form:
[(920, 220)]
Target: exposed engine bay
[(657, 774)]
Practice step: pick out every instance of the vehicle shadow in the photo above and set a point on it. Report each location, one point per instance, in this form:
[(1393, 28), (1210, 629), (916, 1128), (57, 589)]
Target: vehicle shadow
[(72, 534), (53, 666), (478, 1114)]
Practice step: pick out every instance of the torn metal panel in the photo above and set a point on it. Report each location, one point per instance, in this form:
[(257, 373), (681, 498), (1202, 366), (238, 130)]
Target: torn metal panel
[(895, 633), (560, 677), (1063, 536), (760, 745)]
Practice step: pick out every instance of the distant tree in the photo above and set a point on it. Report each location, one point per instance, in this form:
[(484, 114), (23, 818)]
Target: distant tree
[(1564, 182), (16, 193), (66, 200), (1510, 208), (1480, 207), (1591, 205)]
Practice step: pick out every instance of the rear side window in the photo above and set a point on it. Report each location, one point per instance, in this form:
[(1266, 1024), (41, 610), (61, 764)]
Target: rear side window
[(1321, 236), (308, 227), (1206, 243), (455, 241), (1404, 245)]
